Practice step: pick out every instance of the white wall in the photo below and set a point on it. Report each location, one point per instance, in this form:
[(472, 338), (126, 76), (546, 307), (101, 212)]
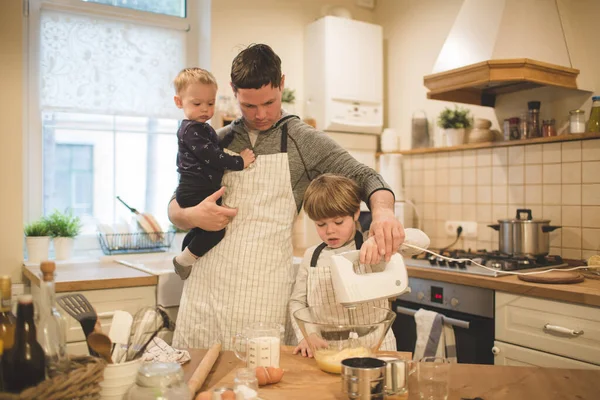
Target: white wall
[(414, 33), (278, 23)]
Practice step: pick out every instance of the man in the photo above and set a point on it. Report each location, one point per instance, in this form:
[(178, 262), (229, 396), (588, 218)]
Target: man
[(248, 276)]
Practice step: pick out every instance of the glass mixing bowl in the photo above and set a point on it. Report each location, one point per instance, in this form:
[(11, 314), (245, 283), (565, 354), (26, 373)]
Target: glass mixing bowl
[(335, 333)]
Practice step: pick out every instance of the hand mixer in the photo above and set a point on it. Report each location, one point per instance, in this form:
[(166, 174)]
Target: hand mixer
[(392, 281)]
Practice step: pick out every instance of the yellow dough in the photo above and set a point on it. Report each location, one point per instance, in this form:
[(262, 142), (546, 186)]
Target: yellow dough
[(330, 360)]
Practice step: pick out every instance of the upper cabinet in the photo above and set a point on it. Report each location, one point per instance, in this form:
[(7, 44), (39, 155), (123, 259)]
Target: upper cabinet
[(479, 83)]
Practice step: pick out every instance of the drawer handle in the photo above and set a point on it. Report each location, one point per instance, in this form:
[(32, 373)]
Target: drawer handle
[(561, 330)]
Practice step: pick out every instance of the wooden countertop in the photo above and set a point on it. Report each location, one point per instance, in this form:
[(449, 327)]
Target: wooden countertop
[(303, 379), (586, 292), (92, 276)]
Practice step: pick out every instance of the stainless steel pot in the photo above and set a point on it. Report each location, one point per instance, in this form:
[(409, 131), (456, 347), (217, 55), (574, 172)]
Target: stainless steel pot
[(524, 236)]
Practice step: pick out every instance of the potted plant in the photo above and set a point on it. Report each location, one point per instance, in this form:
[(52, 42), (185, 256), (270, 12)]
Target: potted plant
[(37, 240), (288, 98), (63, 227), (454, 122)]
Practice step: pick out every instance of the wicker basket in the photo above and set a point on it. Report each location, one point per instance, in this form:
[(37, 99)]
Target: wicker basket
[(82, 382)]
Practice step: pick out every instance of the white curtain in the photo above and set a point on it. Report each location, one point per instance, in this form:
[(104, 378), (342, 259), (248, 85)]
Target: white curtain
[(97, 65)]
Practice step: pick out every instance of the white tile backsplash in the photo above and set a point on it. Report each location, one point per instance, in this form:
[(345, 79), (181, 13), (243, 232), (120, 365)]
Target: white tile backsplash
[(571, 151), (590, 172), (590, 239), (552, 173), (552, 152), (571, 172), (533, 174), (590, 194), (557, 181), (533, 154), (590, 150), (590, 217), (516, 175)]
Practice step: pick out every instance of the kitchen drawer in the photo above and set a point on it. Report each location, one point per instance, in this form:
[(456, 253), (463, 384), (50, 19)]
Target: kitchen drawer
[(508, 354), (537, 323), (106, 302)]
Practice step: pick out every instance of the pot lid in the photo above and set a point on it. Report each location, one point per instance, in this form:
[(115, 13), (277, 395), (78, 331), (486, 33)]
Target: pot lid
[(524, 216)]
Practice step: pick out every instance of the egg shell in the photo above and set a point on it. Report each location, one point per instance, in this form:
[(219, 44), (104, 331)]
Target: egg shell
[(204, 396), (268, 375)]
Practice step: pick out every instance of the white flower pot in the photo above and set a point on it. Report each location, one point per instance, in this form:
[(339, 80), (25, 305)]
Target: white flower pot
[(37, 248), (455, 137), (63, 248)]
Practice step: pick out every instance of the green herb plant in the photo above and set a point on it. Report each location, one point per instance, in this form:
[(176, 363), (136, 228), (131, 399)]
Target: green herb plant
[(455, 119), (63, 224), (37, 228), (288, 96)]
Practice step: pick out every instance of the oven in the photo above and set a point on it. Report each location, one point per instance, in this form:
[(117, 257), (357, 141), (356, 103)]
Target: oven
[(469, 309)]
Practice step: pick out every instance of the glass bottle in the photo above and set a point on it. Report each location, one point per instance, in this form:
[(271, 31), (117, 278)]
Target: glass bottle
[(8, 322), (533, 121), (26, 362), (159, 380), (593, 124), (1, 366), (549, 128), (51, 332)]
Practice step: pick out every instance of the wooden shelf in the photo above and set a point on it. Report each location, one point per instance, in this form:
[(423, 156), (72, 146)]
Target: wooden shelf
[(480, 83), (486, 145)]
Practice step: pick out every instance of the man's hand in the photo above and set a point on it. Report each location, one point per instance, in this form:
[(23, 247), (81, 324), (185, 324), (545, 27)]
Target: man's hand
[(207, 215), (385, 228)]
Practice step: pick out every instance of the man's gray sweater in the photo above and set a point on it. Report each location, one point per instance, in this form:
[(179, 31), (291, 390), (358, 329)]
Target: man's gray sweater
[(311, 153)]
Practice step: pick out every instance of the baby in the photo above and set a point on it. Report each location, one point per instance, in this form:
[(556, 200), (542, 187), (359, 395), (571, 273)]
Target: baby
[(201, 162)]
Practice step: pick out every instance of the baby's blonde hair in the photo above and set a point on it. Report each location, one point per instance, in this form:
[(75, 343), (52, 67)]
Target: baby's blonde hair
[(188, 76), (331, 196)]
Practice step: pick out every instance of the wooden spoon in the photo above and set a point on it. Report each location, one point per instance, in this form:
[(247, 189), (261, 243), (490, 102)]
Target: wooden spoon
[(101, 344)]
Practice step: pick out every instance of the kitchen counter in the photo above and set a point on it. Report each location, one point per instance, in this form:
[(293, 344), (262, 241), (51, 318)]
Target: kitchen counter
[(586, 292), (92, 276), (302, 379)]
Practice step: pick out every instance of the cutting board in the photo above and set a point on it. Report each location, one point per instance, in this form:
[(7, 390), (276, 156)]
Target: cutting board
[(302, 376), (554, 277)]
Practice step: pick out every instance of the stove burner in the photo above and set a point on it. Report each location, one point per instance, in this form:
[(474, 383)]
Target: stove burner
[(491, 259)]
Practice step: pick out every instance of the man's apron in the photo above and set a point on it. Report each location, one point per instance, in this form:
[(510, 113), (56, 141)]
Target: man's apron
[(248, 276), (320, 290)]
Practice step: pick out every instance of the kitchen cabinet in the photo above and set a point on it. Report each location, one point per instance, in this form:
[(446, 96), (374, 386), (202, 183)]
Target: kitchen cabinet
[(517, 356), (105, 302), (569, 332)]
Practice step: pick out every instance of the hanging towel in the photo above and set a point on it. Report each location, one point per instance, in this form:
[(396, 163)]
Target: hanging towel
[(434, 337)]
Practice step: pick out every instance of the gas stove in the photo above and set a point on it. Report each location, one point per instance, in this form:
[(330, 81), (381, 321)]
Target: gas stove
[(495, 260)]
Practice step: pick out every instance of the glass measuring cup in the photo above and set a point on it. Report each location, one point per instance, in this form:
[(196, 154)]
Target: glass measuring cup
[(262, 342)]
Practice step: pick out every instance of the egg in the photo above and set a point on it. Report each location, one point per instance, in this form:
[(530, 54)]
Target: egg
[(228, 395), (204, 396), (268, 375)]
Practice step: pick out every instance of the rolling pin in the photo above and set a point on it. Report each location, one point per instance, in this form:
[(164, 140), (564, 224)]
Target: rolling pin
[(203, 369)]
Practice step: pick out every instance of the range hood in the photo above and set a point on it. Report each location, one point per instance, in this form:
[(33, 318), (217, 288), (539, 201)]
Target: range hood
[(502, 46)]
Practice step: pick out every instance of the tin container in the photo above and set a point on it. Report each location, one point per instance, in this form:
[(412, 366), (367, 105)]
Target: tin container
[(363, 378)]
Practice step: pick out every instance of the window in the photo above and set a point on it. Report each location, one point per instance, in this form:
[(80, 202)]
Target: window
[(102, 119)]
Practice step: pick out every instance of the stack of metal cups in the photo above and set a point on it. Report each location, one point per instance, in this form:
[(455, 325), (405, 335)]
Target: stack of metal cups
[(363, 378)]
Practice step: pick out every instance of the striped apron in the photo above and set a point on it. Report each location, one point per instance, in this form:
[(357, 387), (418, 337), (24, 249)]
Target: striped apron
[(248, 276), (320, 289)]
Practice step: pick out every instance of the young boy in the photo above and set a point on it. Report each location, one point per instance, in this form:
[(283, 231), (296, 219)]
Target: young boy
[(333, 203), (200, 161)]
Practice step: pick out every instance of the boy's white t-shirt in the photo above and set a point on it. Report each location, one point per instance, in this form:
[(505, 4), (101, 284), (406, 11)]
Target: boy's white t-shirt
[(253, 134)]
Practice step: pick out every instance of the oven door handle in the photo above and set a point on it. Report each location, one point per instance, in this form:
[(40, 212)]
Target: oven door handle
[(459, 323)]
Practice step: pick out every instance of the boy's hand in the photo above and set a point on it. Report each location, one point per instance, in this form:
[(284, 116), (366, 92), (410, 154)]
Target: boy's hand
[(303, 349), (370, 251), (248, 157)]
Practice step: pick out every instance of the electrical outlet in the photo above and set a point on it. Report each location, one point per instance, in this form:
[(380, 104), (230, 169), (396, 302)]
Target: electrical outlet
[(469, 228)]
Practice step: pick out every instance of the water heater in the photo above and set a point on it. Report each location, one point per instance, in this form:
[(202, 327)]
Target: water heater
[(343, 75)]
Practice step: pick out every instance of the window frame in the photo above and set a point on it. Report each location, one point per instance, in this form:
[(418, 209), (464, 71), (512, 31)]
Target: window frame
[(196, 24)]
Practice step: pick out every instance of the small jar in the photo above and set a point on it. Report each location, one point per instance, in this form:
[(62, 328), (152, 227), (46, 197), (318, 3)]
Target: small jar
[(245, 384), (576, 121), (513, 127), (548, 128), (159, 380)]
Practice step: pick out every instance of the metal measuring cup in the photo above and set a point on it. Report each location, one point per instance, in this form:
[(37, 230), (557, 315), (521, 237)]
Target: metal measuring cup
[(363, 378)]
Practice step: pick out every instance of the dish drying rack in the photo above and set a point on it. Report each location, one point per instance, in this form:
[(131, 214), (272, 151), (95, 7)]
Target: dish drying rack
[(139, 242)]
